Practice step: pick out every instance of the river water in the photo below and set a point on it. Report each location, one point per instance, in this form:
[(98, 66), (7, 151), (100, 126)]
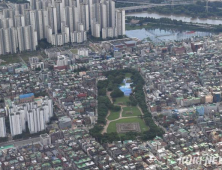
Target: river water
[(175, 17), (158, 35)]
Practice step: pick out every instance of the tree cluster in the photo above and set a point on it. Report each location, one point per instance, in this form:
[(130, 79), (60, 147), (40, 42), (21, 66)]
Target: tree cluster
[(139, 95), (18, 1), (104, 104), (116, 93), (43, 44), (3, 139), (167, 23)]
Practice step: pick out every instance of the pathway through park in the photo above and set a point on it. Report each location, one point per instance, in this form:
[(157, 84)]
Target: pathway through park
[(120, 115)]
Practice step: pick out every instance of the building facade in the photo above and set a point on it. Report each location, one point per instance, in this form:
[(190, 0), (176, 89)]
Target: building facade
[(35, 114), (2, 127)]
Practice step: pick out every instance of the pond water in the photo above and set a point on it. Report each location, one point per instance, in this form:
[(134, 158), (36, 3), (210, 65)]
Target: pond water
[(125, 87), (158, 35)]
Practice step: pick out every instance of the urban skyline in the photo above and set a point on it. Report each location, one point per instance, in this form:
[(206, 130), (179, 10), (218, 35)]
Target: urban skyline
[(59, 22)]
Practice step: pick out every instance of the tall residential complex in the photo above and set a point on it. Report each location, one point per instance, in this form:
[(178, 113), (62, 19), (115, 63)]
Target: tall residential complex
[(59, 22), (36, 114)]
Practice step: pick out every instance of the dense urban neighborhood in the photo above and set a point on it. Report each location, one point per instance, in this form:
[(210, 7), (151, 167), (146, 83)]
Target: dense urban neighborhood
[(114, 104), (83, 86)]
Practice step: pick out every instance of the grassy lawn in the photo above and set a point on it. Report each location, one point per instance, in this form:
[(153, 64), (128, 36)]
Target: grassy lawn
[(26, 55), (134, 27), (10, 58), (121, 100), (113, 115), (14, 58), (128, 110), (128, 75), (74, 51), (112, 125)]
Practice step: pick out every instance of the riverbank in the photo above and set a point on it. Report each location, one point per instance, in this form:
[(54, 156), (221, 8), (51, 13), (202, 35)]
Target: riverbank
[(148, 22), (193, 10), (176, 17), (151, 25)]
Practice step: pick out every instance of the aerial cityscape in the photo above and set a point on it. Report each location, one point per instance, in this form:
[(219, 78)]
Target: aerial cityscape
[(110, 85)]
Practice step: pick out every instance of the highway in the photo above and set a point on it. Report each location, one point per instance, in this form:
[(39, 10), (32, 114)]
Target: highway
[(150, 6), (131, 2)]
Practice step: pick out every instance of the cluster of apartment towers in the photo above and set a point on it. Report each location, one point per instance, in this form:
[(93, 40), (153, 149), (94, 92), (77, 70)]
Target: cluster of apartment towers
[(32, 116), (59, 22)]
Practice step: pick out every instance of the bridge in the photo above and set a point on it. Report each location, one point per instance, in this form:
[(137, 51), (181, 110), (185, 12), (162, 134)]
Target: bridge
[(147, 5)]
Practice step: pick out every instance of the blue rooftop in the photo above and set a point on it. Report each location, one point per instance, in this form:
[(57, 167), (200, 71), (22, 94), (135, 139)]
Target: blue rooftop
[(115, 49), (22, 96)]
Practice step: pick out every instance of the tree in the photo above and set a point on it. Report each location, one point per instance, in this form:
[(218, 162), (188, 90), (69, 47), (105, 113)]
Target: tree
[(102, 92), (110, 86), (38, 69), (3, 139), (133, 101), (116, 93)]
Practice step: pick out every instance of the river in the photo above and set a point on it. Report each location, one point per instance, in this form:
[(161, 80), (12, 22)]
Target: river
[(176, 17)]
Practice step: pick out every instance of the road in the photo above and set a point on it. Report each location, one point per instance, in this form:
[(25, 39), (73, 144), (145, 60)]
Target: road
[(18, 143), (22, 59), (150, 6), (129, 2)]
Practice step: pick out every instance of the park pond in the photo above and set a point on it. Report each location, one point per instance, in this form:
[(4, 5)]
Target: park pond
[(125, 86), (158, 35)]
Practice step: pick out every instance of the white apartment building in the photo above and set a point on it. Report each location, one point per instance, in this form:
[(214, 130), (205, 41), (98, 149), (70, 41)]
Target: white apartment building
[(2, 127), (37, 114), (16, 125)]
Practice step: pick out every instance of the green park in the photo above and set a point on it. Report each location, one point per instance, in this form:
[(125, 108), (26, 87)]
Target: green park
[(123, 115)]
